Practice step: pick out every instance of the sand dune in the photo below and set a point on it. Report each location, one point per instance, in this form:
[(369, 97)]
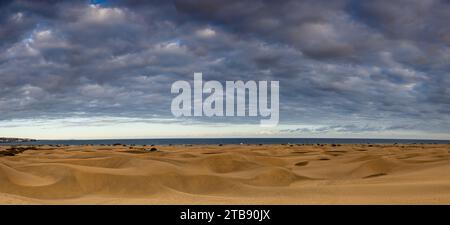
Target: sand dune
[(229, 174)]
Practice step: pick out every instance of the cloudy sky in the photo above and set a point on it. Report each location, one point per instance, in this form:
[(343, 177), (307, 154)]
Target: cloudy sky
[(103, 69)]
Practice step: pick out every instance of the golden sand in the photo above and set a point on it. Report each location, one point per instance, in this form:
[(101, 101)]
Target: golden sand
[(229, 174)]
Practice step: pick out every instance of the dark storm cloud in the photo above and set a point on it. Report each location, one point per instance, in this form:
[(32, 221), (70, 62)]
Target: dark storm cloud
[(357, 65)]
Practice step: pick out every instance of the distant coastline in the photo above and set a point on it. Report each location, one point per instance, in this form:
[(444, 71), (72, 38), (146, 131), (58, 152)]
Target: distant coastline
[(15, 140), (215, 141)]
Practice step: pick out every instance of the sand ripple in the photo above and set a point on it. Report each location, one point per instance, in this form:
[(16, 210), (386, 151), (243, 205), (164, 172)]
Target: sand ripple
[(281, 174)]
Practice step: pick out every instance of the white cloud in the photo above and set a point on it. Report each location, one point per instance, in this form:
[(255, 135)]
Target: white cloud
[(98, 14), (206, 33)]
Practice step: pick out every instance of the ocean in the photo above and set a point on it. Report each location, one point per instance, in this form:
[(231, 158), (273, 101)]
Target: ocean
[(214, 141)]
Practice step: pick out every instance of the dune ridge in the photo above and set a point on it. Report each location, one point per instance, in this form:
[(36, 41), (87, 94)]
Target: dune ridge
[(228, 174)]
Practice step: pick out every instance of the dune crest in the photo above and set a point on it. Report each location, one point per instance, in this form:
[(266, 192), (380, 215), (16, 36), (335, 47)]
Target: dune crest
[(229, 174)]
